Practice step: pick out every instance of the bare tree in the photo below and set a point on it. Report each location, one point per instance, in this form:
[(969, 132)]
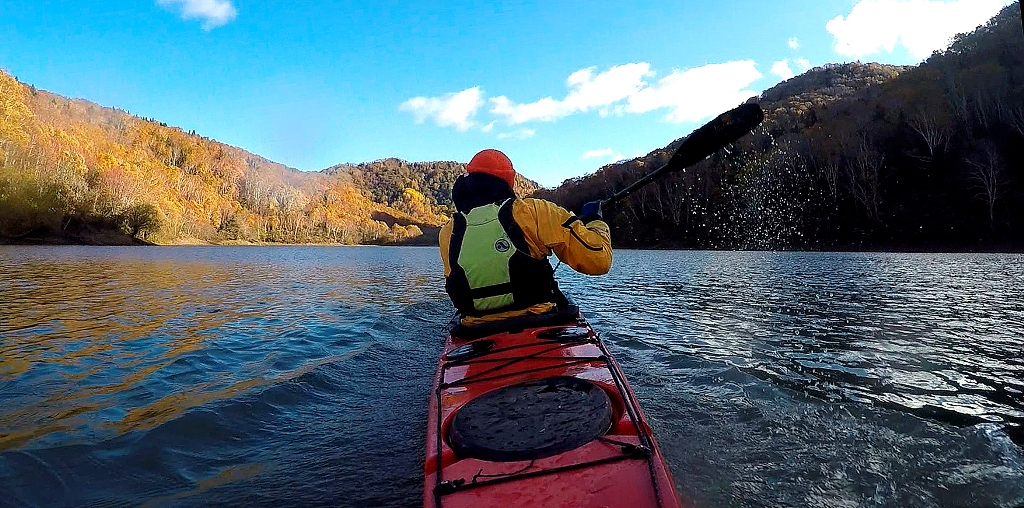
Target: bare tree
[(983, 107), (935, 135), (824, 155), (961, 105), (987, 177), (863, 173), (1015, 117), (255, 190), (121, 190), (830, 172)]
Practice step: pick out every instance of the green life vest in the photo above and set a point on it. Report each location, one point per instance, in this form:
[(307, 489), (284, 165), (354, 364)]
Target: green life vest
[(486, 251), (492, 270)]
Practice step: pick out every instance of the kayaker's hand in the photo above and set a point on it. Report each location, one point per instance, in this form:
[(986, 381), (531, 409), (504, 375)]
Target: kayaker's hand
[(591, 212)]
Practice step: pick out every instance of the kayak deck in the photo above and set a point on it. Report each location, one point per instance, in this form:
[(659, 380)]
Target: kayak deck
[(620, 466)]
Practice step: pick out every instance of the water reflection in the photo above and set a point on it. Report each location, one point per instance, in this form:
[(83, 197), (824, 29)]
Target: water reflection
[(137, 337), (299, 376)]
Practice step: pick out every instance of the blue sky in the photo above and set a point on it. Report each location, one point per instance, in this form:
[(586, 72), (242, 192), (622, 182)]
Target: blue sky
[(561, 87)]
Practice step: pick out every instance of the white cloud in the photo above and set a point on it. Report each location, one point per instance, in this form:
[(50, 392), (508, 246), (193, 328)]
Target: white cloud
[(782, 70), (213, 13), (695, 94), (587, 92), (794, 43), (450, 110), (921, 26), (518, 135), (690, 95), (606, 153)]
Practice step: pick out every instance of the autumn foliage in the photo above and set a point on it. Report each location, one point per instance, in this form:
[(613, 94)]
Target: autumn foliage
[(72, 171)]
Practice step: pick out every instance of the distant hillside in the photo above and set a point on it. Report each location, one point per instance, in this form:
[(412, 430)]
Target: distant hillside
[(72, 171), (686, 209), (853, 156), (793, 103), (384, 181)]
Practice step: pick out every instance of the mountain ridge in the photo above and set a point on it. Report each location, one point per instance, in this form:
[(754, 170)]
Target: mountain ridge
[(853, 156), (872, 157), (72, 171)]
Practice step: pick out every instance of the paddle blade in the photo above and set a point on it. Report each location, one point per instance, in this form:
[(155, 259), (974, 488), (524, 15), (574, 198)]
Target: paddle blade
[(701, 143), (715, 135)]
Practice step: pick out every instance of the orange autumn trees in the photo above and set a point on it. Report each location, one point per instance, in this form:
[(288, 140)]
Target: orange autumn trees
[(72, 171)]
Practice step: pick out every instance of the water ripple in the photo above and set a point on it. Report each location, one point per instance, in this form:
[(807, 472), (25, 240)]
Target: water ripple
[(299, 376)]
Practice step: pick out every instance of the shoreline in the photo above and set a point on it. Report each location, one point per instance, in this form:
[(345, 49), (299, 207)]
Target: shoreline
[(192, 242)]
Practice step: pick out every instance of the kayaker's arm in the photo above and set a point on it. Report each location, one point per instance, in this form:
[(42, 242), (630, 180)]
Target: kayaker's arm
[(444, 239), (586, 248)]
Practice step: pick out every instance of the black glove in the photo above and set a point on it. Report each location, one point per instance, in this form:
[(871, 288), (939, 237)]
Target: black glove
[(591, 212)]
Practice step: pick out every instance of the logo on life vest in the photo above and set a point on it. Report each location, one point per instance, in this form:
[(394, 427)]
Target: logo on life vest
[(502, 245)]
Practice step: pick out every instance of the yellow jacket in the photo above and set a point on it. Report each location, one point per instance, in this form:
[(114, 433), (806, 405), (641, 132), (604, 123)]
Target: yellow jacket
[(547, 228)]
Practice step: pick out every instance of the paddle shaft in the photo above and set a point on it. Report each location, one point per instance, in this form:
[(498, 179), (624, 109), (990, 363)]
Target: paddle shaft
[(699, 145)]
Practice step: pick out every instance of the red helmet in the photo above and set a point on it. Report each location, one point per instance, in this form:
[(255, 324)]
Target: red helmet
[(495, 163)]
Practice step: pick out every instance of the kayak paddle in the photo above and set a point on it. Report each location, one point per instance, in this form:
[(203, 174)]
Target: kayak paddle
[(700, 144)]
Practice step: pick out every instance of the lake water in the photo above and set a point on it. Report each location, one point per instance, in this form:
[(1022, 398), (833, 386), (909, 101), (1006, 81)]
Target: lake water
[(285, 376)]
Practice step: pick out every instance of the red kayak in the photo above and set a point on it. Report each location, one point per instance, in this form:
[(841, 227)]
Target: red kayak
[(537, 413)]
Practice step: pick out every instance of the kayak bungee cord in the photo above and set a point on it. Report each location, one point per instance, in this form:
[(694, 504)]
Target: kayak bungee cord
[(578, 361), (479, 376), (627, 451), (481, 474), (460, 485), (645, 438)]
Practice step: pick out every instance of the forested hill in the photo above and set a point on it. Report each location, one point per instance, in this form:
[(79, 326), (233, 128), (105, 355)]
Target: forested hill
[(385, 181), (72, 171), (854, 156)]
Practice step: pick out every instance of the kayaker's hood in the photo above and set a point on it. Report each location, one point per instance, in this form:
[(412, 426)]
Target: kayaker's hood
[(478, 189)]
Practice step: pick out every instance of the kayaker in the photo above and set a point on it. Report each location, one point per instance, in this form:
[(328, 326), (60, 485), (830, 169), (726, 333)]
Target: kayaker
[(496, 246)]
